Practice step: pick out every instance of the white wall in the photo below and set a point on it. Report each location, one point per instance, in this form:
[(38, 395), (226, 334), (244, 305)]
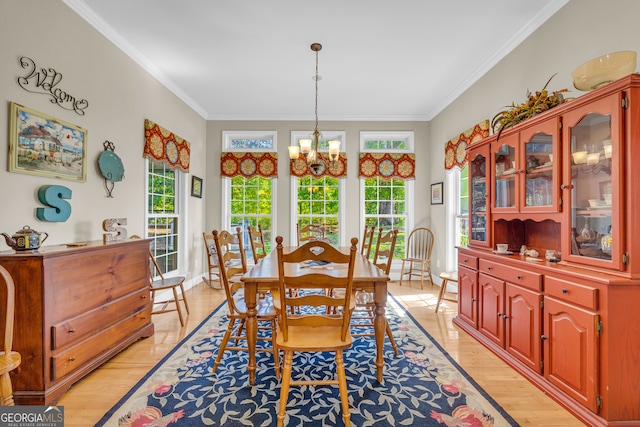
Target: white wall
[(120, 94), (582, 30)]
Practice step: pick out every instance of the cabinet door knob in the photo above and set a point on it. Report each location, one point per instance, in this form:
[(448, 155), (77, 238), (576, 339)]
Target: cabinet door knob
[(565, 187), (489, 268), (518, 277), (72, 359), (71, 330), (565, 291), (543, 337), (465, 261), (499, 314), (505, 316), (473, 300)]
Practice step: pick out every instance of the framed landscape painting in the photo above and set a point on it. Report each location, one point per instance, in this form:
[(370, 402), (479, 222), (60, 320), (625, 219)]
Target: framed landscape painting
[(42, 145)]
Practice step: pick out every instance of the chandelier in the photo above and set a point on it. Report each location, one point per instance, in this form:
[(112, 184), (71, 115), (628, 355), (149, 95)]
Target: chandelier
[(311, 155)]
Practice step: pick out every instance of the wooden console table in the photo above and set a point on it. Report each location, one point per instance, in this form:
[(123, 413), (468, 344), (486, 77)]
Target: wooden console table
[(76, 307)]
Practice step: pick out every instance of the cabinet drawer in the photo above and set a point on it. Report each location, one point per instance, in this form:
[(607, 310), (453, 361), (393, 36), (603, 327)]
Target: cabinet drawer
[(77, 328), (513, 275), (574, 293), (468, 261), (85, 352)]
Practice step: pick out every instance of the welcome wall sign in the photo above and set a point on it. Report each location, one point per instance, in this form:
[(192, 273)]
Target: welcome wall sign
[(45, 81)]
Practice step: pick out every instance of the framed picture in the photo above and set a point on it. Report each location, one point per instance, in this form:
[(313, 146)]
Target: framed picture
[(436, 193), (196, 186), (42, 145)]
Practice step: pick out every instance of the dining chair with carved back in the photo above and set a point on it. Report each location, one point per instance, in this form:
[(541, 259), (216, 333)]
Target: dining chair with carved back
[(9, 359), (310, 232), (233, 254), (256, 239), (419, 249), (311, 328), (237, 315), (367, 240)]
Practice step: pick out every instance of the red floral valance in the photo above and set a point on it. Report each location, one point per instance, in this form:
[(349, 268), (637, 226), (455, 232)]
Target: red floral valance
[(388, 165), (162, 146), (300, 168), (249, 164), (455, 150)]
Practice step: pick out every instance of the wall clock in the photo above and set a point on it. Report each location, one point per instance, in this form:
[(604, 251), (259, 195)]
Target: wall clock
[(110, 166)]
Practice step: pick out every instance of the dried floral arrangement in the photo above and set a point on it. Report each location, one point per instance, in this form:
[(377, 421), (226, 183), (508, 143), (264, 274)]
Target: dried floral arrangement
[(541, 101)]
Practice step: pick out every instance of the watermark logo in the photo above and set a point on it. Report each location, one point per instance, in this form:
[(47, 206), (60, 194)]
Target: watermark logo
[(31, 416)]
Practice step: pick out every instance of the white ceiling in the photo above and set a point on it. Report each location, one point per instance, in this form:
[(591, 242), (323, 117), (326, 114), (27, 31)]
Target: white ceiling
[(381, 59)]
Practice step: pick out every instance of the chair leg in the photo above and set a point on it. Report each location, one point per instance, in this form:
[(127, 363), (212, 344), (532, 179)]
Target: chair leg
[(391, 338), (177, 301), (443, 289), (422, 275), (402, 273), (223, 344), (6, 390), (184, 298), (284, 387), (274, 346), (342, 384)]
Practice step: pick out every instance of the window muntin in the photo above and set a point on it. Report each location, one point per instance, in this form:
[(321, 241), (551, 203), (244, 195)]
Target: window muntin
[(162, 215)]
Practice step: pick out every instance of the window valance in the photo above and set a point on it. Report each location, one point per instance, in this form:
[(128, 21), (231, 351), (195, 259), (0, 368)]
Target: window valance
[(388, 165), (161, 145), (300, 168), (249, 164), (455, 150)]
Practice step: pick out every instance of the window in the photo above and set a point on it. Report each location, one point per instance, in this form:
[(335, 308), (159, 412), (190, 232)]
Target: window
[(457, 214), (387, 203), (249, 201), (318, 200), (163, 215)]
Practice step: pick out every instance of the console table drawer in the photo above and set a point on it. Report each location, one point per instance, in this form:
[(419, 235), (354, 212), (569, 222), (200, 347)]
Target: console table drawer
[(75, 329), (512, 275), (573, 293)]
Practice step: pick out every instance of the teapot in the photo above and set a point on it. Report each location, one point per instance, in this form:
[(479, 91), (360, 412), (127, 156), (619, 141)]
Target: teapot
[(25, 239)]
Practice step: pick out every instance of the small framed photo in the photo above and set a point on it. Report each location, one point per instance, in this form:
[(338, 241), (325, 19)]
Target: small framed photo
[(196, 186), (436, 193), (43, 145)]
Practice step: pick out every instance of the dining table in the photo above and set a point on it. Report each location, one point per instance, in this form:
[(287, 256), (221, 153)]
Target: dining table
[(264, 276)]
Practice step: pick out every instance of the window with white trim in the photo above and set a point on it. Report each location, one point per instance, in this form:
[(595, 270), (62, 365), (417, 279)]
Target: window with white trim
[(387, 204), (249, 201), (163, 219), (319, 200)]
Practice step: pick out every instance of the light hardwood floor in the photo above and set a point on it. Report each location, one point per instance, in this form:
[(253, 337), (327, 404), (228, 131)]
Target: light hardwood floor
[(89, 399)]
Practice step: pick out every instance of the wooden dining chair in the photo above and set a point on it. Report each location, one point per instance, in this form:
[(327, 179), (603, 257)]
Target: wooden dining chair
[(212, 261), (419, 248), (256, 238), (310, 232), (312, 328), (9, 359), (233, 254), (159, 283), (238, 313), (367, 240), (364, 313)]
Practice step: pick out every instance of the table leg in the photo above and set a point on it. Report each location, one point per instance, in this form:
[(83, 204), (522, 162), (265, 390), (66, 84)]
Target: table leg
[(250, 292), (379, 324)]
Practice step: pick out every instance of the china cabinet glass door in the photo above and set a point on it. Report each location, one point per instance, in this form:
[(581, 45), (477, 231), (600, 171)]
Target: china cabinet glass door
[(506, 171), (540, 147), (478, 196), (593, 138)]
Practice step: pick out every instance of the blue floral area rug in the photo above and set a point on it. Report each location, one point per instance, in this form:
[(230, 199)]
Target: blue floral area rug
[(423, 386)]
